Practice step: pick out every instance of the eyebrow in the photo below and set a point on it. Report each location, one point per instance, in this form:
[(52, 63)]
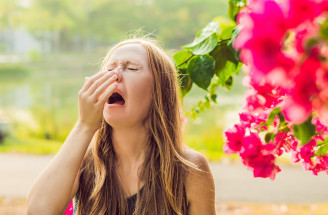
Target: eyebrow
[(125, 62)]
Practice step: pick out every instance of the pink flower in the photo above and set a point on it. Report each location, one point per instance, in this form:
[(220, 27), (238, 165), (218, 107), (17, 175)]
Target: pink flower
[(324, 5), (264, 166), (302, 10), (251, 146), (275, 20), (69, 210), (298, 107), (295, 112), (307, 151), (254, 101), (295, 156), (251, 121), (321, 127), (284, 141), (303, 32), (321, 164), (233, 139), (246, 118), (261, 39), (258, 157), (286, 71), (265, 53)]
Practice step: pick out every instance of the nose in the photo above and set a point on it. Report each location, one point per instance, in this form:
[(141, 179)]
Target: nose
[(118, 72)]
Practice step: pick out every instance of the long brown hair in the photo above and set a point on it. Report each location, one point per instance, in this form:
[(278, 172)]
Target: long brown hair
[(165, 166)]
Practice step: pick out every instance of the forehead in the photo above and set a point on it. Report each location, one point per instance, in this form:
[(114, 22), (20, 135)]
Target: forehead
[(134, 53)]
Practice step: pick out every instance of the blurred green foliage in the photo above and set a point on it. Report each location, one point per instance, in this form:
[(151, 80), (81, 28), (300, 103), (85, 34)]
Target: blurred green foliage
[(209, 62), (54, 85), (80, 32), (13, 71), (81, 24), (29, 145)]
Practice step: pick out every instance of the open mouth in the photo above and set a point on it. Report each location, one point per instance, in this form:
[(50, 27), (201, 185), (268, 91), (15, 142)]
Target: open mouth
[(116, 98)]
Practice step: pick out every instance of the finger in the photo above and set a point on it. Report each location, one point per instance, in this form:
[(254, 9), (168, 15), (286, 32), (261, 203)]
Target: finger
[(108, 92), (100, 90), (98, 82), (85, 79), (89, 81)]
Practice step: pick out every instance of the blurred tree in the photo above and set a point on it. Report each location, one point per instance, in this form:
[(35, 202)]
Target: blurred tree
[(86, 24), (10, 14)]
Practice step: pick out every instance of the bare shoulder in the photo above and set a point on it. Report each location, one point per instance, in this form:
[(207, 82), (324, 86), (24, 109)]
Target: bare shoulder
[(196, 158), (200, 188)]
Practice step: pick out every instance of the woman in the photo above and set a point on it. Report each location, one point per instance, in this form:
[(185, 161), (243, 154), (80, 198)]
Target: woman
[(137, 163)]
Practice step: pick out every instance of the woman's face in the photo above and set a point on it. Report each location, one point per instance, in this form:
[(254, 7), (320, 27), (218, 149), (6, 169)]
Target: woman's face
[(135, 84)]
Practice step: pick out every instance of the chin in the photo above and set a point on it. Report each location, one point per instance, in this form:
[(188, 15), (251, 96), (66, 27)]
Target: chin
[(114, 121)]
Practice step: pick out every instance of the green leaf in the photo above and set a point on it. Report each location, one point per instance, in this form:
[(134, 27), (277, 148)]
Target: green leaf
[(323, 150), (305, 131), (213, 97), (194, 115), (322, 147), (281, 117), (226, 72), (205, 46), (235, 53), (207, 103), (273, 115), (234, 8), (201, 106), (228, 83), (181, 57), (324, 29), (185, 82), (226, 27), (269, 136), (227, 33), (321, 143), (211, 28), (201, 70), (225, 63)]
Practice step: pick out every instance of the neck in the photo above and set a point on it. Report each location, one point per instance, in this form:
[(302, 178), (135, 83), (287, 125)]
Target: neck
[(129, 145)]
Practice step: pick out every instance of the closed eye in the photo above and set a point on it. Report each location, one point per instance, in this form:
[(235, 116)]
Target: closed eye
[(132, 69)]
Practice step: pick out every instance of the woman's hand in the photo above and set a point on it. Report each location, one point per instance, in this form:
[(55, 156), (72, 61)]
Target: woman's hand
[(92, 98)]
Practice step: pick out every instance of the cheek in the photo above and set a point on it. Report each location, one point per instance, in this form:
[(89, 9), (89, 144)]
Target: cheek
[(142, 94), (141, 91)]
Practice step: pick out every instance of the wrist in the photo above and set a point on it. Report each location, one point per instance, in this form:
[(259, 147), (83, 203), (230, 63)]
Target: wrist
[(85, 128)]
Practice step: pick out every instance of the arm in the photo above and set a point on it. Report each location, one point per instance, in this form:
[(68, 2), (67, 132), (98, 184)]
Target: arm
[(57, 184), (200, 187)]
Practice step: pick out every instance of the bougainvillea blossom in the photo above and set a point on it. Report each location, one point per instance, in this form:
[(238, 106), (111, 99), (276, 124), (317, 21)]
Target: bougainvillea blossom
[(287, 65)]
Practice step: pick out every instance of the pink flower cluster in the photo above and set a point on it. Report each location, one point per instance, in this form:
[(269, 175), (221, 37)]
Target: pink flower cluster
[(287, 63), (306, 153), (260, 156), (280, 44), (255, 155)]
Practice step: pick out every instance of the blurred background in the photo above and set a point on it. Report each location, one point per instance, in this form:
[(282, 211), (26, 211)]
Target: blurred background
[(47, 47)]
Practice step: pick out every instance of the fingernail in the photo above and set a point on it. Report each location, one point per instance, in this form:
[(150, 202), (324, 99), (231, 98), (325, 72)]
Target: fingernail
[(86, 78)]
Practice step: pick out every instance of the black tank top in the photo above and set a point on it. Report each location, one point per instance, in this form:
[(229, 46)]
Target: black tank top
[(132, 200)]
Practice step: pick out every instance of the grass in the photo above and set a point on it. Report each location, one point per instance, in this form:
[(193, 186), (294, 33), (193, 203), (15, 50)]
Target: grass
[(28, 145)]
